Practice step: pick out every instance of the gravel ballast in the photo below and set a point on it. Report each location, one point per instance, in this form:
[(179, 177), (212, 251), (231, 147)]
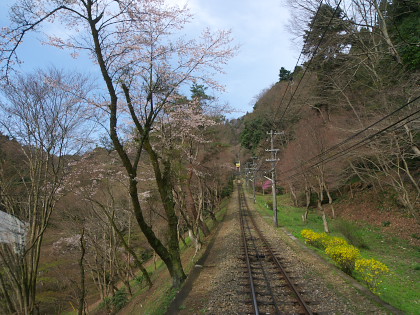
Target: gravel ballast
[(216, 284)]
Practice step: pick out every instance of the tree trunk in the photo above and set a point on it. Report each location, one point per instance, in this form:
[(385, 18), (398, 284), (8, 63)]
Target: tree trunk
[(82, 289), (6, 296), (173, 260), (196, 240), (169, 256), (193, 233), (324, 217), (384, 30), (308, 202), (193, 209), (330, 201), (131, 251), (182, 239), (294, 197), (320, 207)]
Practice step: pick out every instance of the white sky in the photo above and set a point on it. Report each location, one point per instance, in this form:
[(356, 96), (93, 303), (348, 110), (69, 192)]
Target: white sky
[(259, 27)]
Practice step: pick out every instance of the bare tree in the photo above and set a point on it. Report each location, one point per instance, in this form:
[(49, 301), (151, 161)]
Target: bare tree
[(44, 112)]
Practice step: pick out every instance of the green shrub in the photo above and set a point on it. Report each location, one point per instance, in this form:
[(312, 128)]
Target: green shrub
[(139, 279), (120, 299), (116, 302), (372, 272), (227, 189), (106, 303), (344, 256), (146, 254)]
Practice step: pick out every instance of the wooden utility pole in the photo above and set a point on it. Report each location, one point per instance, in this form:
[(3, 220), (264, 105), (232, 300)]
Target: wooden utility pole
[(247, 172), (273, 161)]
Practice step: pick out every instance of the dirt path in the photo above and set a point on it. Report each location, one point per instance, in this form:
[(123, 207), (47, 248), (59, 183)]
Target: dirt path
[(215, 286), (212, 271)]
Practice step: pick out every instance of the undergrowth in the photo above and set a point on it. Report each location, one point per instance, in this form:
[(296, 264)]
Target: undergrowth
[(116, 302), (350, 231), (159, 302)]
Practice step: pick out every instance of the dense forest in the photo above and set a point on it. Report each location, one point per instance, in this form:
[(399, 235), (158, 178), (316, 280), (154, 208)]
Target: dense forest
[(95, 182)]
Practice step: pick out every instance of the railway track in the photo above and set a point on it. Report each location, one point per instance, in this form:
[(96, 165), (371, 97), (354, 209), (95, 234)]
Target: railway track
[(271, 290)]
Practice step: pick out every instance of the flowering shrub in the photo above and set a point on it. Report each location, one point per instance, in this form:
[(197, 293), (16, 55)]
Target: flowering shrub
[(345, 256), (331, 241), (314, 238), (371, 271)]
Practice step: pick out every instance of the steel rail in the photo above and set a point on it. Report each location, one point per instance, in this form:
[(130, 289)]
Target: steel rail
[(298, 296), (251, 280), (257, 254), (290, 284)]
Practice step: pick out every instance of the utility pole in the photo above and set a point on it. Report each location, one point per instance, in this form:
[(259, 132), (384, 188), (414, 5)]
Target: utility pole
[(247, 172), (273, 161)]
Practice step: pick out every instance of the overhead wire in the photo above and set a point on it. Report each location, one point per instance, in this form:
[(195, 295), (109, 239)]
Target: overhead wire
[(355, 146), (297, 63), (354, 135), (312, 56), (307, 65)]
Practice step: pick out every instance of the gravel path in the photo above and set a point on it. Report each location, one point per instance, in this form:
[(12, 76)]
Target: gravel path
[(216, 285)]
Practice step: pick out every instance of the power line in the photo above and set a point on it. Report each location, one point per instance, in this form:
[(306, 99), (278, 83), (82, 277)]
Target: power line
[(308, 64), (354, 146), (355, 135), (297, 62), (349, 138), (312, 56)]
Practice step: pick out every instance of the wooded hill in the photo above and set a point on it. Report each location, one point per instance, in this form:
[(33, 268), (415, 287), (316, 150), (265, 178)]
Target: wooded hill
[(350, 114)]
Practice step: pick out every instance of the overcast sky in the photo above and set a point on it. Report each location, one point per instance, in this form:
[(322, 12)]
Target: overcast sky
[(259, 27)]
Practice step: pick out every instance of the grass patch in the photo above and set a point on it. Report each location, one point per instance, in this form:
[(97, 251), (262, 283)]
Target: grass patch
[(351, 232), (163, 298), (400, 289)]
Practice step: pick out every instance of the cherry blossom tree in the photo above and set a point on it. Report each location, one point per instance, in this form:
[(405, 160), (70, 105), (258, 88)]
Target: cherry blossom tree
[(143, 67), (183, 132)]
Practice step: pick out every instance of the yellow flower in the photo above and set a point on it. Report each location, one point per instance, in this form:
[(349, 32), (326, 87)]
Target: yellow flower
[(314, 238), (344, 255), (331, 241), (371, 271)]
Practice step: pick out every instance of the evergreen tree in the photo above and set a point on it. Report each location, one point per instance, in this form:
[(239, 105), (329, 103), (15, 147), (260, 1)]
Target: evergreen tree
[(404, 16), (254, 131), (326, 43), (327, 37), (284, 75)]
